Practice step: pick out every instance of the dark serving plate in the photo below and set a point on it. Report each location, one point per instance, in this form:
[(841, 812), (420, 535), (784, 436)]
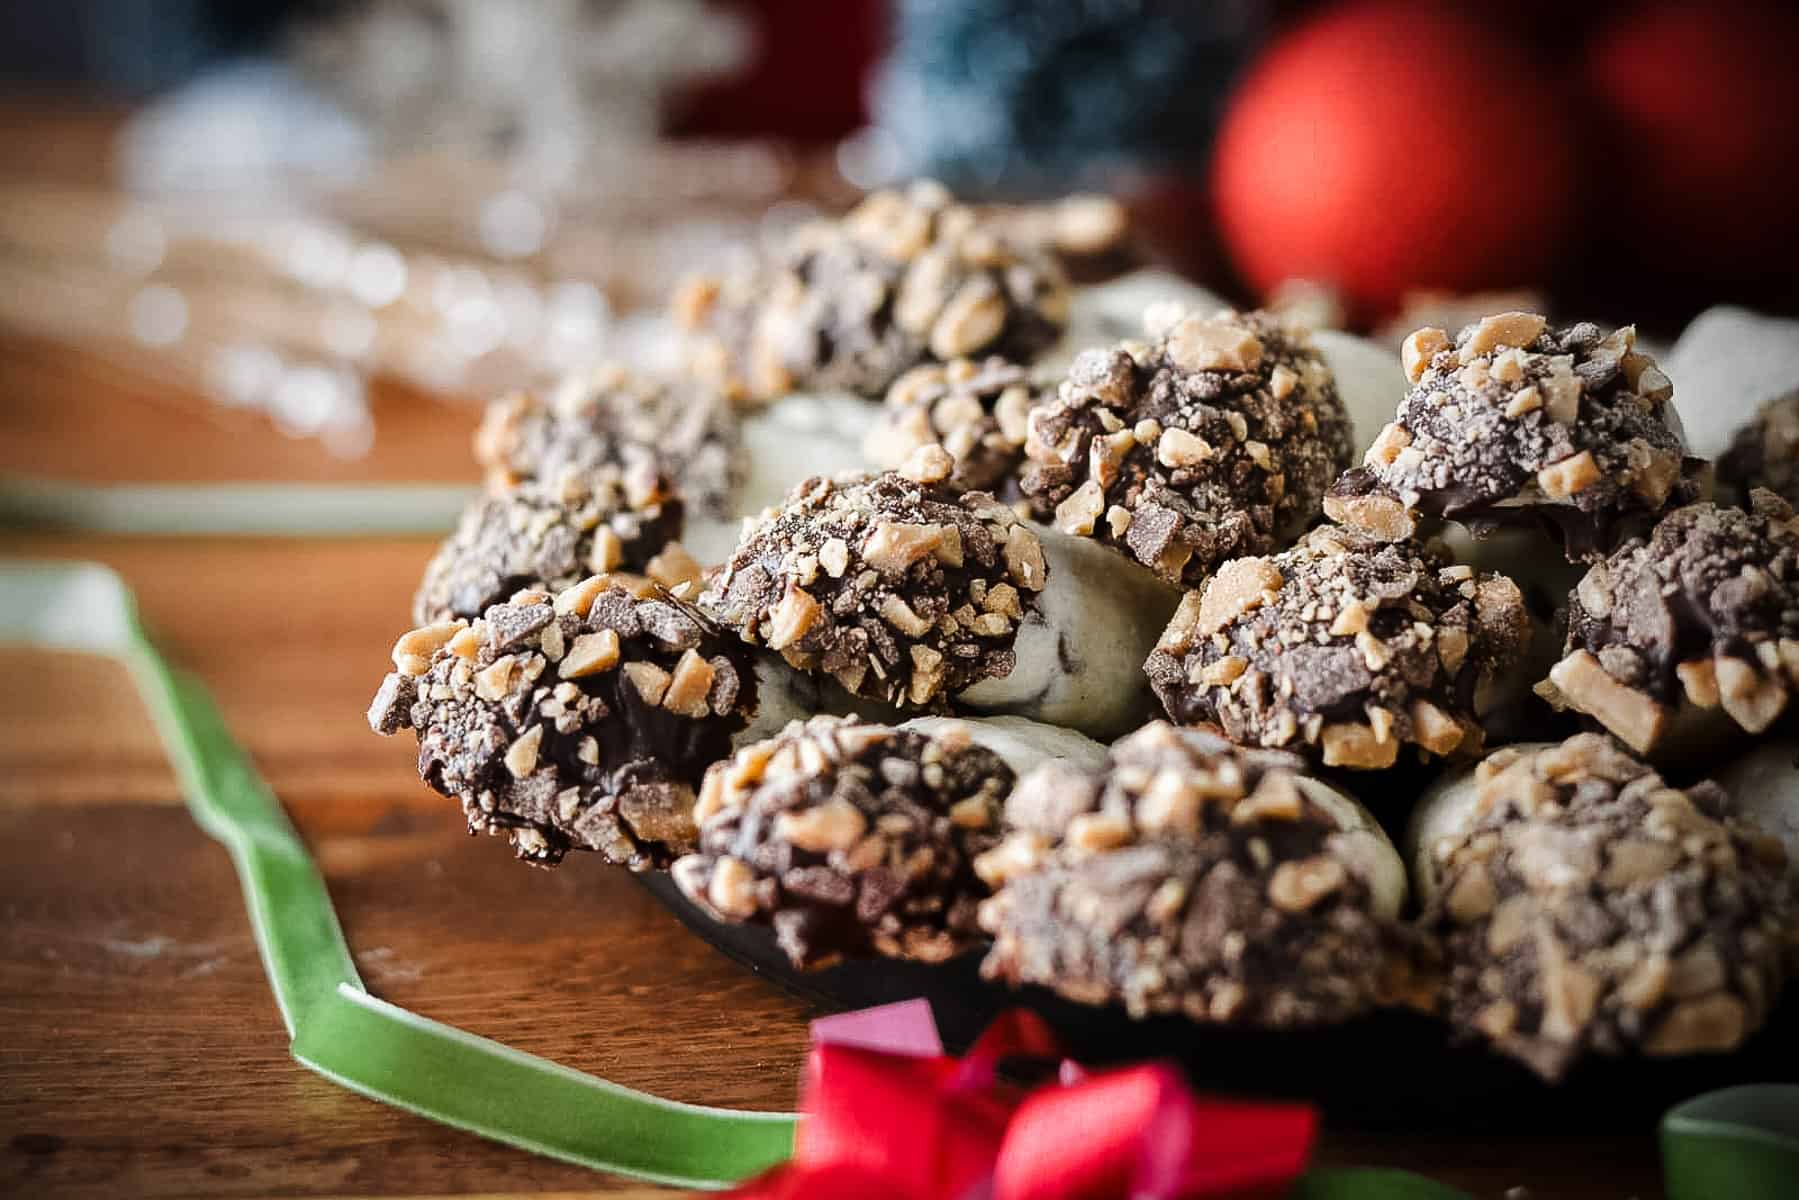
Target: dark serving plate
[(1389, 1069)]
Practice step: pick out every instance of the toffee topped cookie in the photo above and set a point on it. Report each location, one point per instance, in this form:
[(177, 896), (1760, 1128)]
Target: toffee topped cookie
[(1216, 439), (530, 538), (1702, 614), (608, 424), (1343, 647), (582, 721), (902, 592), (976, 412), (1190, 875), (1515, 421), (1586, 907), (904, 278), (849, 838), (1765, 452)]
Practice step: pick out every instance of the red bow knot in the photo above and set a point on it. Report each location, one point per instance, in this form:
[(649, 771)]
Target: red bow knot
[(889, 1116)]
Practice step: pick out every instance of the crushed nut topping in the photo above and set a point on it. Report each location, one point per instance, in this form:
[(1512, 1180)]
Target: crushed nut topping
[(578, 722), (903, 279), (1187, 875), (897, 612), (849, 839), (615, 431), (974, 412), (1587, 907), (1298, 649), (1216, 440), (1516, 421), (1705, 608), (527, 538)]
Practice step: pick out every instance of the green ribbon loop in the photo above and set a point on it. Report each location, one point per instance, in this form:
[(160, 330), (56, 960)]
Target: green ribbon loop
[(1740, 1142), (337, 1028)]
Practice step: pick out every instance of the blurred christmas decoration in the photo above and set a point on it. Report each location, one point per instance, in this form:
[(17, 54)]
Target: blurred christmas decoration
[(1387, 145), (454, 278), (540, 81), (459, 197), (1019, 96), (1705, 103)]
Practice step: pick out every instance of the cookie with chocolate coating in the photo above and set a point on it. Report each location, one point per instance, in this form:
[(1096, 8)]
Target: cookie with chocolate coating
[(1517, 421), (582, 721), (1190, 875), (849, 839), (908, 593), (1764, 453), (1216, 438), (610, 423), (1586, 907), (1689, 632), (1343, 648), (904, 278)]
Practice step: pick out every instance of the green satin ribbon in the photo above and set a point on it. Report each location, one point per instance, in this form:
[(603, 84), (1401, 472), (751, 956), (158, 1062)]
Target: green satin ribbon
[(1739, 1142), (235, 509), (337, 1028)]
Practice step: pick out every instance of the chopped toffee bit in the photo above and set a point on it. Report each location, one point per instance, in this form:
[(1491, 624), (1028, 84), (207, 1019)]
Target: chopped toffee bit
[(905, 278), (527, 538), (902, 592), (1765, 452), (1217, 439), (1518, 422), (583, 721), (611, 428), (1343, 647), (1586, 907), (1189, 875), (1704, 611), (975, 412), (849, 838)]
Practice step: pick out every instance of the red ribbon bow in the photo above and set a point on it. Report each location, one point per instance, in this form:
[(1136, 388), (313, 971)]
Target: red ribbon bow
[(889, 1116)]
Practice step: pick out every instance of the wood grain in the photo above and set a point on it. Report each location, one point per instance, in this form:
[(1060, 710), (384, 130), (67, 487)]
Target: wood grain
[(87, 419), (140, 1052)]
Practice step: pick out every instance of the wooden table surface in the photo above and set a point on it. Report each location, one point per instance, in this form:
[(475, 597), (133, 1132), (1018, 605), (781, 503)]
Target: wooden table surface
[(141, 1053)]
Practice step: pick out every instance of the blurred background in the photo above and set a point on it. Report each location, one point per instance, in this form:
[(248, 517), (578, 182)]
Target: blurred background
[(306, 233)]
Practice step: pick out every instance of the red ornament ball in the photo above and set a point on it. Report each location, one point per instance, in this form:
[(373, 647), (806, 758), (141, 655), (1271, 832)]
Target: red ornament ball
[(1389, 145), (1704, 99)]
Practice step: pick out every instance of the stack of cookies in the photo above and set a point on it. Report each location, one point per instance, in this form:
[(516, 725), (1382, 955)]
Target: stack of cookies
[(907, 626)]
